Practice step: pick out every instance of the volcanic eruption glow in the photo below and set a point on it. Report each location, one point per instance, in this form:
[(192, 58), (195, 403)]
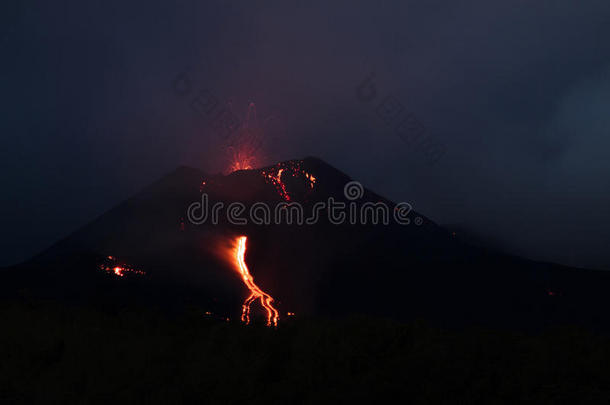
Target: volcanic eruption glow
[(255, 292), (244, 148), (242, 160)]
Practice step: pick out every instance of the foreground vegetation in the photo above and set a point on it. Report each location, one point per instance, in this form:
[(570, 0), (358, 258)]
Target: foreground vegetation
[(57, 354)]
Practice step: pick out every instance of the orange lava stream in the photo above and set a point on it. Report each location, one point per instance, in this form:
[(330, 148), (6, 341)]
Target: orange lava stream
[(255, 292)]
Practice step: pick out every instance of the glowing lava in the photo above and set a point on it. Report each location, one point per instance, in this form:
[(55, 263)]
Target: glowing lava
[(244, 150), (292, 168), (255, 292), (119, 270), (241, 160)]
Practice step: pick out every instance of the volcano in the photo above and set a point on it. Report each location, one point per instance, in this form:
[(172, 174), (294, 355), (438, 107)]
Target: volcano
[(148, 250)]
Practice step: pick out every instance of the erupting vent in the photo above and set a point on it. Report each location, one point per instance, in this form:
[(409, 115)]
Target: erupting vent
[(241, 160), (244, 149)]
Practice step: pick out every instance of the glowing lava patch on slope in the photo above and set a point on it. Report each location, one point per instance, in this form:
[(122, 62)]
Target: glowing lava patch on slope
[(112, 266), (255, 292), (293, 169)]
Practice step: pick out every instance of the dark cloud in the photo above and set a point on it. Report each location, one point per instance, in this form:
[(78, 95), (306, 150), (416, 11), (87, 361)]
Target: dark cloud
[(517, 93)]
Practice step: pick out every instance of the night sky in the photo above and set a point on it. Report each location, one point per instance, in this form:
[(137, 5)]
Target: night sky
[(516, 94)]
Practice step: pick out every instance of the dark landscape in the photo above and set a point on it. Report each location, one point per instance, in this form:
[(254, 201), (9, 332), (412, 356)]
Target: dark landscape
[(61, 354)]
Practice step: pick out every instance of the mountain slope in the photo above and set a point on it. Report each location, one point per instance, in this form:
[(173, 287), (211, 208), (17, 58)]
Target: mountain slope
[(404, 271)]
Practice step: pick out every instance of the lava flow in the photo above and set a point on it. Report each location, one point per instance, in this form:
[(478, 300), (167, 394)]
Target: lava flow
[(255, 292), (292, 168)]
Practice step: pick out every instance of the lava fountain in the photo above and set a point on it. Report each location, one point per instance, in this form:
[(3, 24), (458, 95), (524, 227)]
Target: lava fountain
[(244, 149), (255, 292)]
